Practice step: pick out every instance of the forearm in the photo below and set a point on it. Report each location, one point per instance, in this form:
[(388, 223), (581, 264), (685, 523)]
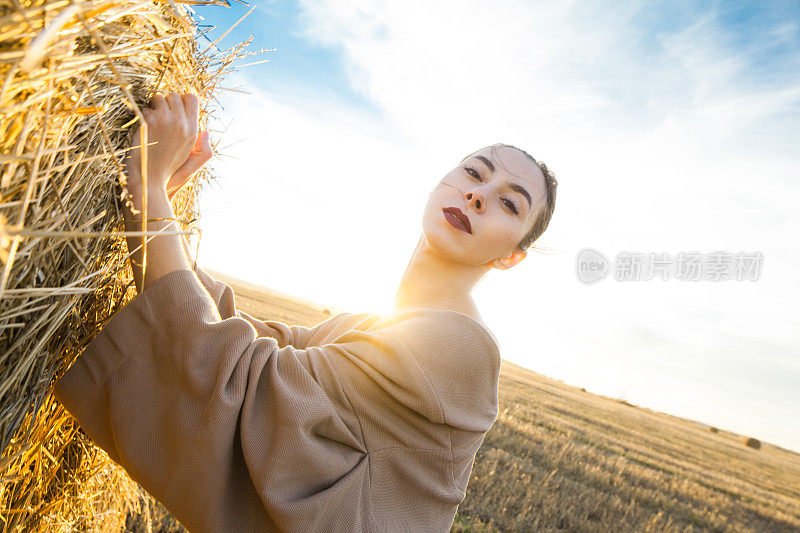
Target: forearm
[(166, 252), (136, 256)]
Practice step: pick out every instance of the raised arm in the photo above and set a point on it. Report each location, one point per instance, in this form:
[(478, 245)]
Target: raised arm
[(177, 153)]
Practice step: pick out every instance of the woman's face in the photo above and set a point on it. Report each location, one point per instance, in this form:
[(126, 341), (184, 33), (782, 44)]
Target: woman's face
[(491, 194)]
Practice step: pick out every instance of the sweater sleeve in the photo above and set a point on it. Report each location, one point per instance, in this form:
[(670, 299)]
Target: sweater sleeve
[(226, 429), (286, 335)]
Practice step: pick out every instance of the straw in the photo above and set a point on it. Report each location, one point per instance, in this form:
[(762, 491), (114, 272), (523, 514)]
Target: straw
[(73, 77)]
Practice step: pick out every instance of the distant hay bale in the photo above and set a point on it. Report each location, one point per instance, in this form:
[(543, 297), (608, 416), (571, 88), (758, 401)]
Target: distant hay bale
[(72, 77), (712, 429), (750, 442)]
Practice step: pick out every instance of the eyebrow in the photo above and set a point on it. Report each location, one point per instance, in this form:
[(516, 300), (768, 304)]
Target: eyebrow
[(486, 162), (514, 186)]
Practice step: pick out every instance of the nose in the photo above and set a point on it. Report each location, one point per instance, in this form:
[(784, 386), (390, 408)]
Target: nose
[(475, 199)]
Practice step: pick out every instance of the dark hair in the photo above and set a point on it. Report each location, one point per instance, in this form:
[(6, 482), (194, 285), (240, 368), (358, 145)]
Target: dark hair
[(546, 213)]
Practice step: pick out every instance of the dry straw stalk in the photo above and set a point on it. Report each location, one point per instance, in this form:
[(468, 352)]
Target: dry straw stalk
[(73, 75)]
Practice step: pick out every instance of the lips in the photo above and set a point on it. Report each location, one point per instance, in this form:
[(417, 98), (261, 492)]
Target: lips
[(457, 218)]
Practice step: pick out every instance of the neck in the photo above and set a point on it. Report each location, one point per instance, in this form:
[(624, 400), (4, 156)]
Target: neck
[(431, 281)]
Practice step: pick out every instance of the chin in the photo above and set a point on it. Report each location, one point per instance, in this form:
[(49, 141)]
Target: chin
[(444, 240), (437, 237)]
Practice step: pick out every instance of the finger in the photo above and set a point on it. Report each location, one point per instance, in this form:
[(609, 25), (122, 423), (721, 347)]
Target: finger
[(174, 101), (196, 161), (202, 143), (191, 106), (198, 143), (192, 164), (191, 111), (199, 158), (158, 102), (205, 154)]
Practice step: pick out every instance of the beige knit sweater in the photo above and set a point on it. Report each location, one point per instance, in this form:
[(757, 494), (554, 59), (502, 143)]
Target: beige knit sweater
[(365, 422)]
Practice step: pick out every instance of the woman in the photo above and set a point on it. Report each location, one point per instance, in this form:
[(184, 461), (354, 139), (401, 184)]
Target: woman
[(365, 422)]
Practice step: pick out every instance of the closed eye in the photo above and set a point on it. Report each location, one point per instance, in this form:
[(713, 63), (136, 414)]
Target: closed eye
[(474, 173), (511, 205)]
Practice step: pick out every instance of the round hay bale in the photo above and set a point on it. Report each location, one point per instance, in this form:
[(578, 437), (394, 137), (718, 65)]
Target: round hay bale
[(712, 429), (750, 442), (74, 76)]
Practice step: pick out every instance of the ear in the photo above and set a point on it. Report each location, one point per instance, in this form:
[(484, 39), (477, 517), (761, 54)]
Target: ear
[(504, 263)]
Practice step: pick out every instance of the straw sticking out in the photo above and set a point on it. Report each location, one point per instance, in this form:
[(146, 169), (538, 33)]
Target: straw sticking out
[(73, 76)]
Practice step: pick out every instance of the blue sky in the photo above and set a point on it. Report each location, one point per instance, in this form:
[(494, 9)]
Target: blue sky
[(297, 65), (671, 126)]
